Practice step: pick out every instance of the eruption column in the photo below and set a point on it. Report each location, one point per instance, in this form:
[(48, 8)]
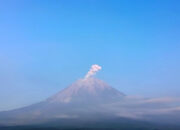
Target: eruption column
[(94, 68)]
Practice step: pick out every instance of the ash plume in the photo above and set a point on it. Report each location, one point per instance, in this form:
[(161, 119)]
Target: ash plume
[(94, 68)]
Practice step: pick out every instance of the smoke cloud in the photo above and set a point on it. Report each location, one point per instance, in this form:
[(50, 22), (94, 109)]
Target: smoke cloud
[(94, 68)]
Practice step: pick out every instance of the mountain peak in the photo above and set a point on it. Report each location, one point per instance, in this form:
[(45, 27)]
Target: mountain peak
[(91, 83), (85, 90)]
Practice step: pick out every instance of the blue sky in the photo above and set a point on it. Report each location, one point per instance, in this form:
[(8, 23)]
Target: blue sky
[(47, 45)]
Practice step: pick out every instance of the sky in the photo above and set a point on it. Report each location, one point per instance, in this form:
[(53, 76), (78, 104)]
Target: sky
[(47, 45)]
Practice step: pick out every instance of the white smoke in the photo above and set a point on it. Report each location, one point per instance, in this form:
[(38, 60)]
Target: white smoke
[(94, 68)]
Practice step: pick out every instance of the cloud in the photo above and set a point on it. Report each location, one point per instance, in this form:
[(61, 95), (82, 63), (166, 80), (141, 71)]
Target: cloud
[(161, 100)]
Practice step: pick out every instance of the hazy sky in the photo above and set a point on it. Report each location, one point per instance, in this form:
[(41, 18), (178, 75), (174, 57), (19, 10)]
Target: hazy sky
[(47, 45)]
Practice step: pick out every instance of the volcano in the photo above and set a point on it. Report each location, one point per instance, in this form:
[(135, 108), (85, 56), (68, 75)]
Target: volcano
[(82, 99), (91, 102)]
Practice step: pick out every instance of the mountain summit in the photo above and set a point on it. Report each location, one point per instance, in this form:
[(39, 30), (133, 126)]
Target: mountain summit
[(87, 90)]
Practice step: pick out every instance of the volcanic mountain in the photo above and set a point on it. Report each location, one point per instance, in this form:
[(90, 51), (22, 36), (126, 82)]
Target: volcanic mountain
[(82, 99), (91, 102)]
